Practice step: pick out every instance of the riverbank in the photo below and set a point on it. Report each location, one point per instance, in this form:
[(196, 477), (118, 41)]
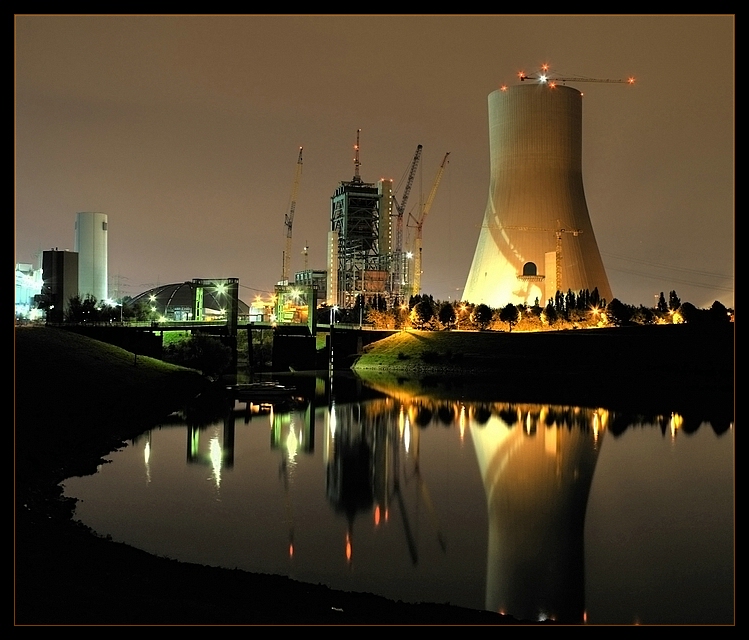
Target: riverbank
[(657, 367), (77, 400)]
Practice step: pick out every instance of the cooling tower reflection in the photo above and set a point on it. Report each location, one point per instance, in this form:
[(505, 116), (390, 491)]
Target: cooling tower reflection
[(537, 464)]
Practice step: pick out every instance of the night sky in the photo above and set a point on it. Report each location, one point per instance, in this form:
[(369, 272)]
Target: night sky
[(185, 131)]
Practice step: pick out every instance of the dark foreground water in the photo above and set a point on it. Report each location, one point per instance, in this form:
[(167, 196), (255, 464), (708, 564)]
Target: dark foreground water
[(577, 514)]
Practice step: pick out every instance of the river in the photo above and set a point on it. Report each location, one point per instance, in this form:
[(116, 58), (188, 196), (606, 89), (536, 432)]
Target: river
[(584, 515)]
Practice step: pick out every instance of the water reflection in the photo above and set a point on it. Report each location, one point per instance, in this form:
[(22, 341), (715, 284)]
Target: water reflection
[(537, 465), (419, 496)]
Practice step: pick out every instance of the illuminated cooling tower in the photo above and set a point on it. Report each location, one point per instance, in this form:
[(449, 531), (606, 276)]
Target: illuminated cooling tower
[(536, 236)]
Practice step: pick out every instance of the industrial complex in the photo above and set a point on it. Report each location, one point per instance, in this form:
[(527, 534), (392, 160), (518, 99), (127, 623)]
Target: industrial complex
[(536, 238)]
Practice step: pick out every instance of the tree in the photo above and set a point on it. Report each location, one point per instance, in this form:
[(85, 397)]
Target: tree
[(446, 314), (202, 352), (422, 313), (618, 312), (550, 313), (718, 313), (510, 315), (673, 301), (662, 307), (687, 312), (482, 316), (82, 310)]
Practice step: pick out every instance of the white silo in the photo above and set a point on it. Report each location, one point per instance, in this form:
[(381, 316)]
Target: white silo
[(91, 245), (536, 237)]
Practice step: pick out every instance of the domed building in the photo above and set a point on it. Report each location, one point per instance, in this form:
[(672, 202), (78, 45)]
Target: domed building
[(185, 301)]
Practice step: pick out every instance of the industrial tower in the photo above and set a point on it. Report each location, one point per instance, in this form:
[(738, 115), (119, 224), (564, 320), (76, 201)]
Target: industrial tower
[(359, 225), (91, 245), (536, 237)]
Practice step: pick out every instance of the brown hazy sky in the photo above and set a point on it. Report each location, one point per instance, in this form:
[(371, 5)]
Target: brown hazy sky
[(185, 131)]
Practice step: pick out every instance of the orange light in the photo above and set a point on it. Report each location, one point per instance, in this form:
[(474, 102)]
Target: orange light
[(521, 74), (552, 84), (348, 547), (503, 87), (631, 80), (377, 515), (544, 67)]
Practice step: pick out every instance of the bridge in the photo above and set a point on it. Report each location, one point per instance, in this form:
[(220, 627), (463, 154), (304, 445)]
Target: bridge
[(294, 345)]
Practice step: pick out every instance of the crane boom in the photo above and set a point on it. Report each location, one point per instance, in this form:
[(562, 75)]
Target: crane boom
[(400, 208), (289, 220), (420, 226), (545, 78)]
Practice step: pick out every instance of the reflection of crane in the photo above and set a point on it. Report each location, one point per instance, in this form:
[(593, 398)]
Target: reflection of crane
[(545, 78), (289, 220), (558, 249), (424, 491), (400, 209), (419, 224)]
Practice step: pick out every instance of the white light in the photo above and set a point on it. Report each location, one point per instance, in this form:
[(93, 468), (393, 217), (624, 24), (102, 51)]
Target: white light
[(542, 79)]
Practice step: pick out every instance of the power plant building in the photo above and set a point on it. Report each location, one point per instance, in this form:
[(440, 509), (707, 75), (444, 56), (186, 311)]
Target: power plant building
[(536, 237), (91, 246), (60, 271), (359, 224)]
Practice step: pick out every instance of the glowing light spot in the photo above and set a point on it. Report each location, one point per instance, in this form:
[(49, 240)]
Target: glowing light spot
[(215, 455)]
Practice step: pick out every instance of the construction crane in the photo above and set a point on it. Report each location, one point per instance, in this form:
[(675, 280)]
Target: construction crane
[(400, 208), (544, 77), (419, 225), (289, 220), (305, 253), (558, 232)]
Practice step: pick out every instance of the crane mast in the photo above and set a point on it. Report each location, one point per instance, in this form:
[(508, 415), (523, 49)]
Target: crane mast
[(289, 220), (398, 263), (416, 286)]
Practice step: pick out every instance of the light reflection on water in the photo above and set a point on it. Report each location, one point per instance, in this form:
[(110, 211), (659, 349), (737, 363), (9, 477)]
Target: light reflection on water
[(534, 510)]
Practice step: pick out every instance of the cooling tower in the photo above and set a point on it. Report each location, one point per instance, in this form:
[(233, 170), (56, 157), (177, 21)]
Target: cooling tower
[(536, 237)]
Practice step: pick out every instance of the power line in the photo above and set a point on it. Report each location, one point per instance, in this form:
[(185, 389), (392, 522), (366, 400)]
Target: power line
[(672, 268), (673, 280)]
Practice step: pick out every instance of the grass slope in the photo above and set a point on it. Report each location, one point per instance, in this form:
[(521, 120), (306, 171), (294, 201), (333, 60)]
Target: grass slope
[(655, 366)]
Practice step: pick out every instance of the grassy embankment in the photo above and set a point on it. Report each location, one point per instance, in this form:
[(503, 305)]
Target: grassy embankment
[(646, 364)]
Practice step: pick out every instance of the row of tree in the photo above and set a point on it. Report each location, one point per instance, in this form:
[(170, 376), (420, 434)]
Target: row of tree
[(571, 310)]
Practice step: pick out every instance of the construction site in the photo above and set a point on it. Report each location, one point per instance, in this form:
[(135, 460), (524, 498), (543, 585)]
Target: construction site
[(536, 238), (374, 246)]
